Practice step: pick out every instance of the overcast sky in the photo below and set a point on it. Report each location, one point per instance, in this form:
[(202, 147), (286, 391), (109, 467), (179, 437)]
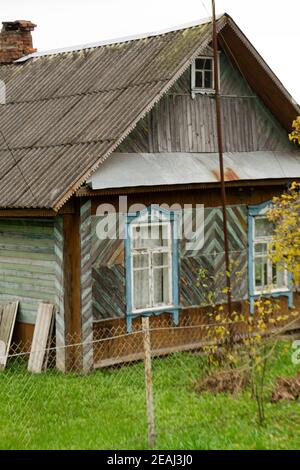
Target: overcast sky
[(272, 26)]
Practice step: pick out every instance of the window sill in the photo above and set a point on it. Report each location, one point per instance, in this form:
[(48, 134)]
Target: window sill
[(283, 290), (172, 309), (202, 91), (276, 293), (163, 308)]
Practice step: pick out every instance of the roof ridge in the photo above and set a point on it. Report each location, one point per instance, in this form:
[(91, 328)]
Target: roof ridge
[(119, 40)]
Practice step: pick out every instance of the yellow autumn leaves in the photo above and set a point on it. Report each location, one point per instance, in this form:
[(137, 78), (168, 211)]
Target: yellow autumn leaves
[(285, 214), (294, 136)]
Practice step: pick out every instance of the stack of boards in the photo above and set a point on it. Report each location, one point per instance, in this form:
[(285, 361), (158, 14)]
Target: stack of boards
[(8, 313), (41, 341), (42, 335)]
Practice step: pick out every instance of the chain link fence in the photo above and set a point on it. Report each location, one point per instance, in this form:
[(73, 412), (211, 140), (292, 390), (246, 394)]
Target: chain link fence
[(143, 392)]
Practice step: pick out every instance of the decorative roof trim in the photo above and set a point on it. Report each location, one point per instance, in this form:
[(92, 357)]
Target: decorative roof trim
[(261, 61)]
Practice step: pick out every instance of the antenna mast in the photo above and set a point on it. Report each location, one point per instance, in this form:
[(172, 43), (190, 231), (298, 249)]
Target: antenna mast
[(220, 150)]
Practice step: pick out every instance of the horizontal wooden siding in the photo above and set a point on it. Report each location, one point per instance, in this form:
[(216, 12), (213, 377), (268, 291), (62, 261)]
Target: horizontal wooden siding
[(27, 264)]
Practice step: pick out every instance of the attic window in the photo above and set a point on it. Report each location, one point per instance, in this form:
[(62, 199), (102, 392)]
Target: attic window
[(203, 75)]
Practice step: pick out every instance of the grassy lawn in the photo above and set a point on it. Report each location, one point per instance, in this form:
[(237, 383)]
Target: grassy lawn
[(106, 409)]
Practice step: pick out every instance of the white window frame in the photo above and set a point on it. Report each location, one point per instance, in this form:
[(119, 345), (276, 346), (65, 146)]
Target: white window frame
[(150, 252), (203, 90), (267, 240)]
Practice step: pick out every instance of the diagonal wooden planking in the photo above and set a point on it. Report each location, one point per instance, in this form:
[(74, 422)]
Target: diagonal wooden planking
[(86, 292)]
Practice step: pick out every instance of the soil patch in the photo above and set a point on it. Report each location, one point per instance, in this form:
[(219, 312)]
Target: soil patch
[(228, 381), (286, 388)]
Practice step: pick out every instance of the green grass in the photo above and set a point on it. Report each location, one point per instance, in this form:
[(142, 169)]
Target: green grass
[(106, 409)]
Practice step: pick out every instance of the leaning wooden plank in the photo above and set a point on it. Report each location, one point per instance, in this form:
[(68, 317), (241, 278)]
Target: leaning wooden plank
[(51, 329), (2, 354), (40, 337), (7, 323)]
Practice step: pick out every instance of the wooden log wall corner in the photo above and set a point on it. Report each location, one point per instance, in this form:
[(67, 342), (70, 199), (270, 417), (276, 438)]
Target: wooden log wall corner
[(86, 285), (71, 282)]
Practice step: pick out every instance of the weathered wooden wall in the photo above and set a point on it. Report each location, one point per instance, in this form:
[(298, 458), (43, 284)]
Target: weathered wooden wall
[(108, 271), (27, 264), (86, 285), (60, 326), (179, 123), (210, 259), (239, 193), (164, 338)]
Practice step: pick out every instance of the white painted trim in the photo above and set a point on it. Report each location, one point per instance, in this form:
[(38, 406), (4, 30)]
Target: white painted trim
[(204, 91), (267, 240), (151, 252)]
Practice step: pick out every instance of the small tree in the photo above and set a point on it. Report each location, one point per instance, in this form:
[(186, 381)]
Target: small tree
[(294, 136), (285, 214), (254, 352), (255, 336)]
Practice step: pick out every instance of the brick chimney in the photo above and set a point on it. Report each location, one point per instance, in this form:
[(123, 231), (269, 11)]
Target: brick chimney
[(15, 40)]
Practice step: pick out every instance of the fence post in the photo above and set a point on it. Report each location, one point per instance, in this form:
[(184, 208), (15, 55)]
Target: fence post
[(148, 381)]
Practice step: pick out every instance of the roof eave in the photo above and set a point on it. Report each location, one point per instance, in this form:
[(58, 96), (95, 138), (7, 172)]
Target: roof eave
[(266, 72)]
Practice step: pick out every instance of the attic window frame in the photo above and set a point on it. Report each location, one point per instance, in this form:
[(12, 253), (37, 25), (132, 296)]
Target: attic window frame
[(202, 90)]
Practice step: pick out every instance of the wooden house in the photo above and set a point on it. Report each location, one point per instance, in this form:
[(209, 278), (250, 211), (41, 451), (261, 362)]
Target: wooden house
[(136, 118)]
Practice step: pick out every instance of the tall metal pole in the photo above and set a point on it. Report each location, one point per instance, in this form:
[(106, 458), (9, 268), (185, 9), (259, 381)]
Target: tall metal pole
[(220, 150)]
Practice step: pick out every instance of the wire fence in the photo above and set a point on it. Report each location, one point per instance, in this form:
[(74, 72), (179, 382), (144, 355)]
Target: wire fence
[(142, 392)]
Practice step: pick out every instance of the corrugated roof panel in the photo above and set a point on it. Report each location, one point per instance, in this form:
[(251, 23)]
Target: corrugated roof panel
[(123, 39), (66, 113), (159, 169)]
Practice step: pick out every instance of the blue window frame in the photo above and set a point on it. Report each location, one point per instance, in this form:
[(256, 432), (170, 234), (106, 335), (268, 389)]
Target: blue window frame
[(265, 279), (151, 260)]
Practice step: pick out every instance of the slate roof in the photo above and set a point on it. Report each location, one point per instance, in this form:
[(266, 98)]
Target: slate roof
[(66, 112)]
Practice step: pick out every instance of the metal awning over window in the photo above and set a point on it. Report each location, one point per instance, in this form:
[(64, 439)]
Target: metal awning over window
[(158, 169)]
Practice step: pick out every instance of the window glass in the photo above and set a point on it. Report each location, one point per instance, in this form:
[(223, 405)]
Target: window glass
[(161, 286), (207, 79), (263, 227), (261, 272), (203, 70), (279, 277), (160, 259), (147, 236), (267, 275), (151, 254), (199, 64), (261, 248), (140, 261), (199, 79), (141, 291), (208, 64)]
